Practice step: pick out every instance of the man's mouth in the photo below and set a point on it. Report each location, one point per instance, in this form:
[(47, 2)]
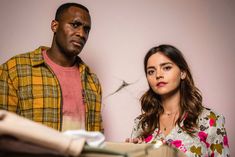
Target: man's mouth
[(78, 44)]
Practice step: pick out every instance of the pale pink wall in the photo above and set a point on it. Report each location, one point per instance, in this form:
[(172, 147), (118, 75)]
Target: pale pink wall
[(122, 32)]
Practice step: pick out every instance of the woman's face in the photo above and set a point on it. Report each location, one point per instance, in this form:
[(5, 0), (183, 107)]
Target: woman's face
[(163, 75)]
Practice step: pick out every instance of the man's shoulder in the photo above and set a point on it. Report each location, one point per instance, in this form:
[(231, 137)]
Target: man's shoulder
[(16, 60), (26, 58), (24, 55), (84, 68), (88, 76)]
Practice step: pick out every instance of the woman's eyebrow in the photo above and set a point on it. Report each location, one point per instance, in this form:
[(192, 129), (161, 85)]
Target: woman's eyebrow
[(165, 63), (151, 67)]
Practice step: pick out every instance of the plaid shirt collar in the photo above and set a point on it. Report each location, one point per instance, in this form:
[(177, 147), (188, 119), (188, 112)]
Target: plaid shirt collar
[(37, 59)]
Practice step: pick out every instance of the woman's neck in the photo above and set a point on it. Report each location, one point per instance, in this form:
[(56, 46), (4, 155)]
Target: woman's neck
[(171, 102)]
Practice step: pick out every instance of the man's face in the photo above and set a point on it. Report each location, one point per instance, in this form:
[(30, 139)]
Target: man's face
[(71, 31)]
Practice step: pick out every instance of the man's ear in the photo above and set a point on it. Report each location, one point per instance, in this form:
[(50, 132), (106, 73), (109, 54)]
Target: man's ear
[(54, 25), (182, 75)]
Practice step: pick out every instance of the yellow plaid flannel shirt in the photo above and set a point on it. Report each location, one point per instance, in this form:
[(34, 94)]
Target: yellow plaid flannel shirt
[(29, 88)]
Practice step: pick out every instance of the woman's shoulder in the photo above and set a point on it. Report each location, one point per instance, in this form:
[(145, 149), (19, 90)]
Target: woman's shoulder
[(138, 119), (207, 112), (210, 118), (213, 133)]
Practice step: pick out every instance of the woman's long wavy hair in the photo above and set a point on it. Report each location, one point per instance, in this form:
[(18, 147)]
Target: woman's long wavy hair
[(190, 96)]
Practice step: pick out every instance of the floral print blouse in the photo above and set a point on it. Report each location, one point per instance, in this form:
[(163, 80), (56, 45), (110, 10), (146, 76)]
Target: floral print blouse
[(210, 141)]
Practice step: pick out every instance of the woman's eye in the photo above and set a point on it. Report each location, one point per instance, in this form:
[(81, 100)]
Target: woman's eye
[(150, 72), (167, 68)]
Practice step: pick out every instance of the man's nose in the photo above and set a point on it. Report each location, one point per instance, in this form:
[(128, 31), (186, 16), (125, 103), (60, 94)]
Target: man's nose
[(81, 32)]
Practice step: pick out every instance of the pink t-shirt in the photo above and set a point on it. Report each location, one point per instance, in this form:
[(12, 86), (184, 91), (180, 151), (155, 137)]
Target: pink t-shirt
[(73, 106)]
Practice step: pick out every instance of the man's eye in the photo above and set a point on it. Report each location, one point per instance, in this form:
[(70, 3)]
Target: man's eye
[(75, 25), (87, 29)]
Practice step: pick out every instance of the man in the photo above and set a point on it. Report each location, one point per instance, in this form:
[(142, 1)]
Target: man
[(53, 86)]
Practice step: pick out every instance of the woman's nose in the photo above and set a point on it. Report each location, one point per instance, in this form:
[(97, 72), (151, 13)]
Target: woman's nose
[(159, 74)]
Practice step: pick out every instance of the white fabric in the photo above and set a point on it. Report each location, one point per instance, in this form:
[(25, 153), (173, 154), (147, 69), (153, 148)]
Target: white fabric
[(93, 138), (29, 131)]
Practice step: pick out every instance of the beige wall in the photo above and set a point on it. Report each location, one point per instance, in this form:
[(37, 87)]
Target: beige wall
[(122, 32)]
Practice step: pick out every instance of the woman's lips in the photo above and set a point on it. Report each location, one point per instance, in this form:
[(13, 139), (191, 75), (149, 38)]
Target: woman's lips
[(161, 84)]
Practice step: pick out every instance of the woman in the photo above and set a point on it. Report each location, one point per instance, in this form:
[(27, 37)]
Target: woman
[(172, 110)]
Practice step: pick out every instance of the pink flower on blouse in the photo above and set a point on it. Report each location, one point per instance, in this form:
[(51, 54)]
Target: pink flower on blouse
[(177, 143), (212, 122), (148, 139), (225, 140), (212, 154), (203, 136)]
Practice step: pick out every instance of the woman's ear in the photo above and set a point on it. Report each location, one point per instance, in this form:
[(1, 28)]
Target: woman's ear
[(54, 26), (182, 75)]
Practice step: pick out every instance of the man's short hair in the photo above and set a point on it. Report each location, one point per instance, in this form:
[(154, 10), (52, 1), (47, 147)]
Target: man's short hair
[(66, 6)]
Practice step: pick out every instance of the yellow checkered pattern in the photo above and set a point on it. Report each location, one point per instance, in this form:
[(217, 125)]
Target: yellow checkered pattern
[(29, 88)]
